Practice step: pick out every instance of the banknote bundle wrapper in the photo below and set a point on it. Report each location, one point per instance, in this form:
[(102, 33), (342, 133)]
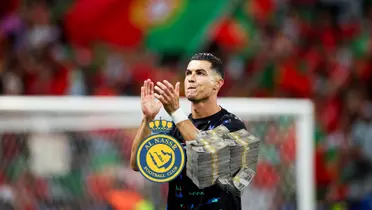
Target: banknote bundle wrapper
[(207, 161), (222, 157), (244, 150)]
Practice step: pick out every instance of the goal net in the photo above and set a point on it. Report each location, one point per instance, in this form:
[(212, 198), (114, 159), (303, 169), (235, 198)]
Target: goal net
[(74, 152)]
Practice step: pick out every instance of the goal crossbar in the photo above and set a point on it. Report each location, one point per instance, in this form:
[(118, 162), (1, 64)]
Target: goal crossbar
[(252, 106)]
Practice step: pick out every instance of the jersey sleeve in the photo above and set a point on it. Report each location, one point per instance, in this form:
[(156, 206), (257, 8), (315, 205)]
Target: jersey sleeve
[(233, 123)]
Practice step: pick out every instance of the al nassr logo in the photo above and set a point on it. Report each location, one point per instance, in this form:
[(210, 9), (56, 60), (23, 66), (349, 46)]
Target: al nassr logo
[(160, 157)]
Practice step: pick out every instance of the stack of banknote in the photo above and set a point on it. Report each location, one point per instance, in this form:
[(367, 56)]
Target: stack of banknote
[(244, 150), (219, 154), (207, 161)]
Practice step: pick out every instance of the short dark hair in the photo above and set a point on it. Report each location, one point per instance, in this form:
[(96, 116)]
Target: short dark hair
[(216, 63)]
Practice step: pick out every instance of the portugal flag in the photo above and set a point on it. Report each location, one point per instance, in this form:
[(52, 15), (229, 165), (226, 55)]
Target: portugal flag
[(162, 26), (177, 26)]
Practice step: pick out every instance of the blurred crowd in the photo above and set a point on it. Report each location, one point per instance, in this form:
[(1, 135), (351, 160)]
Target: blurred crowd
[(316, 49), (89, 170)]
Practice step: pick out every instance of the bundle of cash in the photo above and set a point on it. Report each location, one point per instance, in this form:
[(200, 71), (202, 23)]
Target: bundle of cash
[(238, 183), (244, 150), (218, 155), (206, 162)]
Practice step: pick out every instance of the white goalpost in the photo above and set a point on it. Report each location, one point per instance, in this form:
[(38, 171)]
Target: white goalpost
[(46, 122)]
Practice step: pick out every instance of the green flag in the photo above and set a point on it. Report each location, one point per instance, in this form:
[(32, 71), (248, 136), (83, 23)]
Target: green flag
[(359, 45), (267, 77), (238, 31), (243, 18), (186, 29)]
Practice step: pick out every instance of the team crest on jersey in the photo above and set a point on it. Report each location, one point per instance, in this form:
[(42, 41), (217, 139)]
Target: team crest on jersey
[(160, 157)]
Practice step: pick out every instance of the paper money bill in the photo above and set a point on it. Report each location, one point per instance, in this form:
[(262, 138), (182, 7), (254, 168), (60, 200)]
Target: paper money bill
[(220, 131), (243, 178), (237, 184)]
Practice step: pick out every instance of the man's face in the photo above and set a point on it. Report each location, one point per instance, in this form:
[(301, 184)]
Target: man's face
[(201, 82)]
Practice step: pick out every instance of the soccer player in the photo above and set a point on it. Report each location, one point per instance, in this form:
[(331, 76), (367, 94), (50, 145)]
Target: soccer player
[(203, 79)]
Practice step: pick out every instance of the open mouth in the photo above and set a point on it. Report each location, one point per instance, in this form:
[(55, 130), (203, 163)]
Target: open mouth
[(191, 88)]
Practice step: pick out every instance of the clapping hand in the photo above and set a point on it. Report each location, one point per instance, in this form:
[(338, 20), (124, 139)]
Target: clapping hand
[(150, 107), (168, 95)]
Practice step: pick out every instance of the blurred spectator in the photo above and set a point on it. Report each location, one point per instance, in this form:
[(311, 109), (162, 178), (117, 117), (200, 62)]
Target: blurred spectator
[(316, 49)]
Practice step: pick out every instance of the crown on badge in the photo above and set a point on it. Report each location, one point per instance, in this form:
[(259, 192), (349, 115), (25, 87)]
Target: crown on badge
[(160, 126)]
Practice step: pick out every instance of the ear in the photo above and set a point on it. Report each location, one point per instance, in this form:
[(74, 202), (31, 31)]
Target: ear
[(218, 84)]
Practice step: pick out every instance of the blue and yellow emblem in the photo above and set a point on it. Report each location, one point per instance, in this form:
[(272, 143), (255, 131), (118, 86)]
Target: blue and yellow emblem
[(160, 157)]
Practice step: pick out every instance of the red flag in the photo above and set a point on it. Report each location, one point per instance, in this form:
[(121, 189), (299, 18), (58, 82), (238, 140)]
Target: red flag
[(102, 20)]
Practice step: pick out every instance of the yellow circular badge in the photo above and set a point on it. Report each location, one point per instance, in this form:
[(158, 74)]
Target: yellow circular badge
[(160, 158)]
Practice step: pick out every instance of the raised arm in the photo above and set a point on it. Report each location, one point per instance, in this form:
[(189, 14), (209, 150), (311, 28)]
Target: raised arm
[(188, 130), (142, 133), (150, 108)]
